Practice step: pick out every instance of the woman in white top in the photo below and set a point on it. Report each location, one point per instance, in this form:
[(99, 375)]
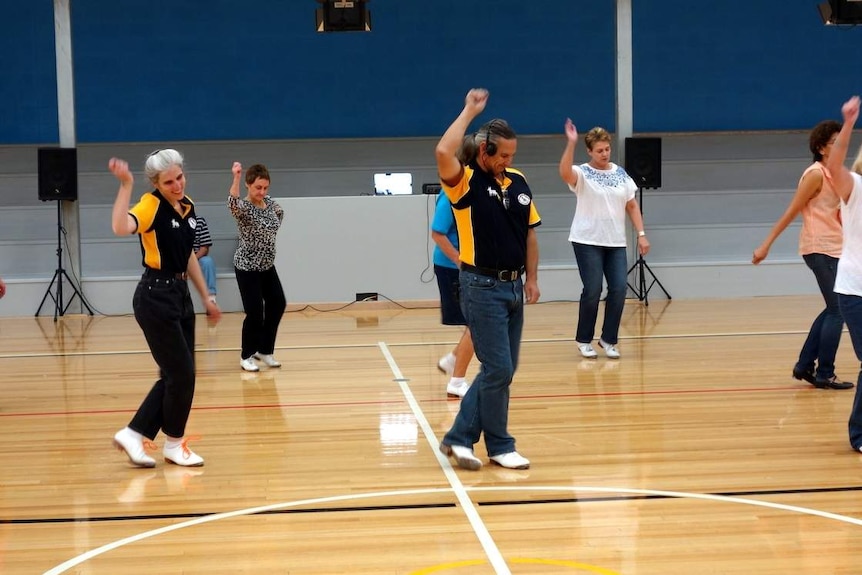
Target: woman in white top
[(605, 194), (848, 279)]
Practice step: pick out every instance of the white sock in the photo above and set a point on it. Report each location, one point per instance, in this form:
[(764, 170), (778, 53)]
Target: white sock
[(457, 380), (172, 442)]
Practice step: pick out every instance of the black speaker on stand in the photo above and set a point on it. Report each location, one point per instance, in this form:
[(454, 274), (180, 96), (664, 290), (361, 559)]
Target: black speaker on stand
[(58, 181), (643, 164)]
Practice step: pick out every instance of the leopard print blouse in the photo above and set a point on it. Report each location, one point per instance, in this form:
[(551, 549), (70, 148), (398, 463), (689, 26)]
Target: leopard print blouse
[(257, 230)]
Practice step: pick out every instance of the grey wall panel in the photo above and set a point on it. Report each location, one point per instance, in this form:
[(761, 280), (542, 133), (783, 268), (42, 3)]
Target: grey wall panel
[(32, 259), (721, 194), (730, 243)]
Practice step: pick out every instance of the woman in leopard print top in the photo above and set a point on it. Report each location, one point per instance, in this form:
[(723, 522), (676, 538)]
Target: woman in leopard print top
[(258, 218)]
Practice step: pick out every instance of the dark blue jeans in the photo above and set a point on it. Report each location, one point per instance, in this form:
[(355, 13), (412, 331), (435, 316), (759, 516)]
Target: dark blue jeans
[(821, 345), (495, 314), (594, 263), (851, 310), (163, 308)]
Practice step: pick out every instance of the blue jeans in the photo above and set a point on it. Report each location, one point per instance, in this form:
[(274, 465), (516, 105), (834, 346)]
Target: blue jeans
[(595, 262), (825, 333), (851, 310), (495, 314), (208, 269)]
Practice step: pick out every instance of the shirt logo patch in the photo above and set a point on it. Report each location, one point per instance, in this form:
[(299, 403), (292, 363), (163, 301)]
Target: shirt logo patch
[(193, 223), (175, 224), (492, 193), (524, 199)]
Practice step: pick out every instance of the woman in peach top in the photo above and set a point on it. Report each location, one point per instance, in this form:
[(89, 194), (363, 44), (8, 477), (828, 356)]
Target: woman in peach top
[(820, 247)]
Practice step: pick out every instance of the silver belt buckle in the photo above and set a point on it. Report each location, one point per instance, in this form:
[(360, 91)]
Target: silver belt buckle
[(507, 275)]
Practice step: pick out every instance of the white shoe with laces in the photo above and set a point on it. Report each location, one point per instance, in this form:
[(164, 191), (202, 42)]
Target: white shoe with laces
[(268, 359), (610, 349), (511, 460), (587, 350), (248, 364), (447, 364), (180, 454)]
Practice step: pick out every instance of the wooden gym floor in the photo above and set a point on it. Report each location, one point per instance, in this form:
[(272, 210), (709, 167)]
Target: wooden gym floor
[(695, 453)]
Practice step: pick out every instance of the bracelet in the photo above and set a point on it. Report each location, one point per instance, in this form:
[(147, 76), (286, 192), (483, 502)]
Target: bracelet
[(641, 234)]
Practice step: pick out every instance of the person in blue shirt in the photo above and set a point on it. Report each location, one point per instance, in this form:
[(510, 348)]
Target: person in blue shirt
[(446, 260)]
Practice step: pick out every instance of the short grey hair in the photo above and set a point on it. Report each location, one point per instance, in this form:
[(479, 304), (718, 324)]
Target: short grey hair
[(159, 161)]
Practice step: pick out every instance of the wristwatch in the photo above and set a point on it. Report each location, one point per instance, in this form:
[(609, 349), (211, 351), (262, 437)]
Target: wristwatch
[(641, 234)]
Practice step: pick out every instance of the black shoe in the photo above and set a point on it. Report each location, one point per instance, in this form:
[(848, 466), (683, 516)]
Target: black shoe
[(831, 383), (805, 375)]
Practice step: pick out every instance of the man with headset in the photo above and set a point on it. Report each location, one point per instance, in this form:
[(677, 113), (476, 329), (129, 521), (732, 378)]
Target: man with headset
[(496, 217)]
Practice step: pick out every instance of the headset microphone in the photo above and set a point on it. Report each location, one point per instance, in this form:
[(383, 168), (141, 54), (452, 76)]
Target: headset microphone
[(490, 147)]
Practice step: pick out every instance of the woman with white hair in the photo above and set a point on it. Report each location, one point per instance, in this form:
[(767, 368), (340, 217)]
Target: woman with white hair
[(164, 220)]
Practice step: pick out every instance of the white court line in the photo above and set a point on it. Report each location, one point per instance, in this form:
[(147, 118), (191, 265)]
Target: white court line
[(62, 568), (479, 527)]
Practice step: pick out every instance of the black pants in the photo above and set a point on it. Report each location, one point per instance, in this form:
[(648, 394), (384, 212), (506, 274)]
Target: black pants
[(263, 302), (163, 308)]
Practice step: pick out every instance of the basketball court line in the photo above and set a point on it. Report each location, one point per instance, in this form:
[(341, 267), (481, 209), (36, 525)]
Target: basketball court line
[(79, 559), (467, 506), (404, 506), (457, 488)]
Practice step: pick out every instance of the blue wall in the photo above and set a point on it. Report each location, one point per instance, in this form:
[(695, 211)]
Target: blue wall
[(168, 70), (28, 89), (757, 65)]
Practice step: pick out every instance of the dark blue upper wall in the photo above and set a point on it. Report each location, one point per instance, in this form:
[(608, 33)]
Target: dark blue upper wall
[(262, 71), (167, 70), (28, 89), (755, 65)]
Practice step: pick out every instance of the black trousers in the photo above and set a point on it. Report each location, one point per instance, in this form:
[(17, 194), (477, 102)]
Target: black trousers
[(163, 308), (263, 302)]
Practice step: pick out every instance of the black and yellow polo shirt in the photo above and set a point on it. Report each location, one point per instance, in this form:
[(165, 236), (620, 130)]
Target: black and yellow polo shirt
[(493, 218), (166, 236)]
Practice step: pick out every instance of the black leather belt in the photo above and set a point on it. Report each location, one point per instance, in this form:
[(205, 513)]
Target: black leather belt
[(502, 275), (163, 275)]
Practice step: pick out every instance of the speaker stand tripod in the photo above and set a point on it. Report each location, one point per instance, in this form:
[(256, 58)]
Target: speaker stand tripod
[(59, 274), (641, 269)]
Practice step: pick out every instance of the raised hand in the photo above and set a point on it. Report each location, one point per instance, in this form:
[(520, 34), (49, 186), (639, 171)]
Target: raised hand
[(236, 169), (120, 169), (476, 100), (850, 110), (571, 130)]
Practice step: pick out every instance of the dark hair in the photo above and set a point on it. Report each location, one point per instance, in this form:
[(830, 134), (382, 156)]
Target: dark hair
[(494, 130), (467, 150), (820, 136), (257, 171)]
